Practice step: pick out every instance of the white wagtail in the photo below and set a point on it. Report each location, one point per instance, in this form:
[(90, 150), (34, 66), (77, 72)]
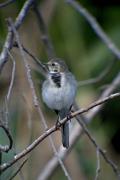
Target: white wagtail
[(58, 92)]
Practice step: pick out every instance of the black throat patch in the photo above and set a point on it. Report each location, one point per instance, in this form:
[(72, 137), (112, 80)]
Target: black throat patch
[(57, 79)]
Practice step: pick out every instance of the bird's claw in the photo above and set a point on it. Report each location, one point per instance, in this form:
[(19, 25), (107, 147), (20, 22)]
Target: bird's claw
[(69, 116), (58, 123)]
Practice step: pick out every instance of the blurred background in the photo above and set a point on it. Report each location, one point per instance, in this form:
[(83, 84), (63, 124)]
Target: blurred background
[(87, 56)]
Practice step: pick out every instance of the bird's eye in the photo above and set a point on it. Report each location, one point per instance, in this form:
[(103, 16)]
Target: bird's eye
[(53, 64)]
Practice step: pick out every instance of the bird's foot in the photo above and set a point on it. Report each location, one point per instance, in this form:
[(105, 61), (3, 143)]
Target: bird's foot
[(58, 123), (69, 116)]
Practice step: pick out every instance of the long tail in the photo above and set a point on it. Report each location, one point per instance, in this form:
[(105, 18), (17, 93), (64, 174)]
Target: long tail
[(65, 135), (64, 129)]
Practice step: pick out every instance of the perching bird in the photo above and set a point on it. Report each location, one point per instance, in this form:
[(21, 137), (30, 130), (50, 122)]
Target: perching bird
[(58, 92)]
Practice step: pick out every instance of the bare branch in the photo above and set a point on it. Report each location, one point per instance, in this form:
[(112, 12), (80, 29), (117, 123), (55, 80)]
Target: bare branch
[(7, 46), (21, 176), (38, 62), (9, 39), (100, 77), (98, 164), (18, 170), (95, 26), (44, 33), (55, 128), (8, 2), (102, 152), (6, 148), (4, 124), (12, 77), (59, 159)]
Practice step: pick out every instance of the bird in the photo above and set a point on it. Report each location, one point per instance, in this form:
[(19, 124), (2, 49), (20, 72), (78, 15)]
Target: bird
[(59, 91)]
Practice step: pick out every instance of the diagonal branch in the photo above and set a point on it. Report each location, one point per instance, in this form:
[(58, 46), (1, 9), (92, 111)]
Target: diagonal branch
[(28, 149), (100, 77), (95, 26), (8, 2), (38, 62), (18, 170), (12, 77), (6, 148), (101, 151), (44, 32), (9, 39)]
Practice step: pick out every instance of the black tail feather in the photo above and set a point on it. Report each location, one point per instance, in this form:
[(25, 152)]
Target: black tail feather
[(65, 135)]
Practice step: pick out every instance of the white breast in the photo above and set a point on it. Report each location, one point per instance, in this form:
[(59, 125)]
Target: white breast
[(58, 98)]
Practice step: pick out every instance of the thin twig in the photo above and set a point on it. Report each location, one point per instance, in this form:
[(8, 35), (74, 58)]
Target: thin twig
[(100, 77), (98, 164), (59, 159), (30, 127), (95, 26), (44, 33), (7, 46), (9, 39), (37, 141), (6, 148), (4, 126), (21, 176), (7, 97), (35, 99), (12, 77), (38, 62), (25, 62), (102, 152), (18, 170), (8, 2)]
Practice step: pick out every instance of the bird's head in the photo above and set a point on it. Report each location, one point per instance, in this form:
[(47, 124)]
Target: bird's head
[(56, 65)]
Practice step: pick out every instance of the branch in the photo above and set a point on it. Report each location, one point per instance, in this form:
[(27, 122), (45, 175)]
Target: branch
[(98, 169), (12, 77), (45, 37), (38, 62), (4, 4), (95, 26), (100, 77), (55, 128), (9, 39), (6, 148), (18, 170), (102, 152)]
